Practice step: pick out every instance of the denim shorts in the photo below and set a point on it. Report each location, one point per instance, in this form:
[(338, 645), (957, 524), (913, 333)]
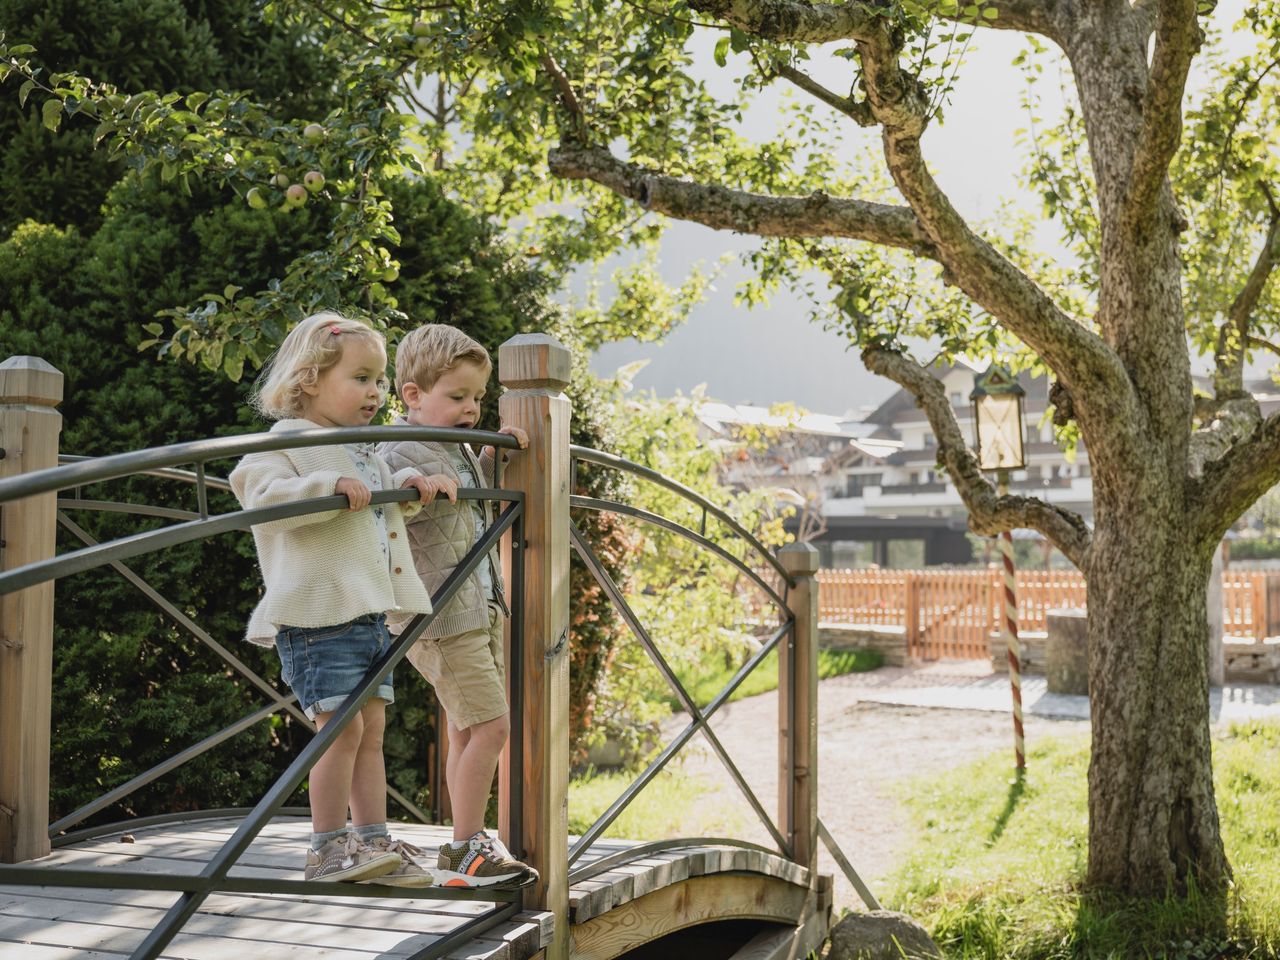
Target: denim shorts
[(322, 665)]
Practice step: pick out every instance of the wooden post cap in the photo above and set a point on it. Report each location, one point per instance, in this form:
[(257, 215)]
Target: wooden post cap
[(799, 559), (30, 380), (531, 360)]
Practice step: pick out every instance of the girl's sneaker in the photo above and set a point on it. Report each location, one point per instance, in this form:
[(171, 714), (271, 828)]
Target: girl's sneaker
[(347, 858), (480, 861), (408, 873)]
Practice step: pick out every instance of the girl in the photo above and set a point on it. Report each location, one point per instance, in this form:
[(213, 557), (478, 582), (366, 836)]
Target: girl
[(330, 579)]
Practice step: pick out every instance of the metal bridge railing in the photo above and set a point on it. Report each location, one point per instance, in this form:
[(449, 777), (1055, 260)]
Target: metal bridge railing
[(699, 718), (213, 878)]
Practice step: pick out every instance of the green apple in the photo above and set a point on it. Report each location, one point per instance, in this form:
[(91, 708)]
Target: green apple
[(281, 180), (313, 181), (296, 195), (313, 131), (255, 199), (422, 46), (421, 28), (391, 274)]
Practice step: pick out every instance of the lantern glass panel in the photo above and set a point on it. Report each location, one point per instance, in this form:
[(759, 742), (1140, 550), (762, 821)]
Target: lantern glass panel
[(1000, 432)]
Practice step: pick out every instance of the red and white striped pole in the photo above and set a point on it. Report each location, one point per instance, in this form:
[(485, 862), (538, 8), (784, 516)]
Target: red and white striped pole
[(1011, 633)]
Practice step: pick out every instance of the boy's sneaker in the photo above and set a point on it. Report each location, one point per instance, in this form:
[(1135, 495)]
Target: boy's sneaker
[(481, 861), (408, 873), (347, 858)]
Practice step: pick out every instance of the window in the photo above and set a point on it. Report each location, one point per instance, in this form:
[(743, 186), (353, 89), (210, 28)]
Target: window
[(855, 483)]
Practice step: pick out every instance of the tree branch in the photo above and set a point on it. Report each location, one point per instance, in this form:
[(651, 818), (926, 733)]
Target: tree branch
[(803, 22), (900, 105), (721, 208), (795, 20), (565, 88), (1233, 337), (1233, 482), (988, 513), (1178, 37), (857, 110), (1088, 367)]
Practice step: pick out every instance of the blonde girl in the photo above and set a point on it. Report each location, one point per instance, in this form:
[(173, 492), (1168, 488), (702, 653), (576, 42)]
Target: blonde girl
[(332, 577)]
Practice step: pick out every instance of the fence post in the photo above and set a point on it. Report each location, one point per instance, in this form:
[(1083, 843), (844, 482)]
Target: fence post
[(911, 613), (798, 709), (30, 389), (534, 369)]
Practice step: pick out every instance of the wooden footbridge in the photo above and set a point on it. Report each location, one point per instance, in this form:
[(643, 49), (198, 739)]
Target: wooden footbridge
[(222, 884)]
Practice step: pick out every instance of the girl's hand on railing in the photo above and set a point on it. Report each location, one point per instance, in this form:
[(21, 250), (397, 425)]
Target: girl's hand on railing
[(357, 494), (428, 487)]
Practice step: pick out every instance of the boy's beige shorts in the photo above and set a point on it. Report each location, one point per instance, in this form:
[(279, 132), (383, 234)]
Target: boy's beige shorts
[(466, 671)]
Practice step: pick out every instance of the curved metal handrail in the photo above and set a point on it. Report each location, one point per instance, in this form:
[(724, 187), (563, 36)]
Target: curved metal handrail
[(116, 466), (77, 561), (598, 457), (164, 473), (592, 503)]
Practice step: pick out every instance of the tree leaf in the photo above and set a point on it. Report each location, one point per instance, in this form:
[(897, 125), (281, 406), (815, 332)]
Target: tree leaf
[(722, 50), (51, 113)]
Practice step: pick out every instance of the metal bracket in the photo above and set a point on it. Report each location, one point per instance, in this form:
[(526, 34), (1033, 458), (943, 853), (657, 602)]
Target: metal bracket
[(560, 645)]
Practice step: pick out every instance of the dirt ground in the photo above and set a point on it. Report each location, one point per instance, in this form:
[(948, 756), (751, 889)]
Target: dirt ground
[(865, 750)]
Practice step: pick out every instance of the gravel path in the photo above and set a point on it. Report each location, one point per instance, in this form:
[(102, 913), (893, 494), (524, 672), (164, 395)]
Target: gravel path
[(865, 750)]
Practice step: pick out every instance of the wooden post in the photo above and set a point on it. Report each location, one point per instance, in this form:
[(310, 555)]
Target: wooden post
[(30, 389), (911, 613), (534, 369), (798, 710)]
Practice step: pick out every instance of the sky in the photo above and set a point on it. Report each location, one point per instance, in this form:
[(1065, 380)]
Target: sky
[(773, 354)]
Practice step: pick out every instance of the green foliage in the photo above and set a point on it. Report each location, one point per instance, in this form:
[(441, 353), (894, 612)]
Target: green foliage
[(130, 688), (78, 297), (693, 604), (998, 864), (58, 177)]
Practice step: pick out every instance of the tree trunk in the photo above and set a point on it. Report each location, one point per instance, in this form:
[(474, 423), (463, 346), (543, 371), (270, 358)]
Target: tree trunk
[(1153, 821)]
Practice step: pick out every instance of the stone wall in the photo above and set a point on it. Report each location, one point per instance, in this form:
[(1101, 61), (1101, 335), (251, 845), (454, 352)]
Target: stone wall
[(889, 642)]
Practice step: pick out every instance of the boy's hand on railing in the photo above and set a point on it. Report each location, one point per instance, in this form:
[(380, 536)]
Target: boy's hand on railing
[(357, 494), (428, 487), (522, 438)]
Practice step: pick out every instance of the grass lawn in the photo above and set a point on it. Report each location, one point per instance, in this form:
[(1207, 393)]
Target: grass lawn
[(667, 807), (997, 865), (712, 674)]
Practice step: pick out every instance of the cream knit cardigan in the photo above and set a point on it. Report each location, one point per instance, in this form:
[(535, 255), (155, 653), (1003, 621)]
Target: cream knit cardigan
[(325, 568)]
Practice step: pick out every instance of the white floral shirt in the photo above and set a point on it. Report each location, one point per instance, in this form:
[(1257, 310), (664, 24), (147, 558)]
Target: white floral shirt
[(364, 455)]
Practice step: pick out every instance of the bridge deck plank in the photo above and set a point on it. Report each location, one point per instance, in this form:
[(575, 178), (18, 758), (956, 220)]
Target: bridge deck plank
[(77, 923)]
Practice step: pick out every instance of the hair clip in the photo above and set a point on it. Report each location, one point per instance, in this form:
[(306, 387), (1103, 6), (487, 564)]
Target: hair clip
[(335, 329)]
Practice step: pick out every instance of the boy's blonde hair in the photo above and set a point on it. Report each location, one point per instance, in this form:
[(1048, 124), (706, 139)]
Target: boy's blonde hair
[(311, 348), (431, 351)]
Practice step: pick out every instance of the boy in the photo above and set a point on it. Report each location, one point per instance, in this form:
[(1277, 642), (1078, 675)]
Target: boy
[(441, 375)]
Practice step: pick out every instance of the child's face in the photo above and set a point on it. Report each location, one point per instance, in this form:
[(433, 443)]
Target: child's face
[(453, 400), (350, 392)]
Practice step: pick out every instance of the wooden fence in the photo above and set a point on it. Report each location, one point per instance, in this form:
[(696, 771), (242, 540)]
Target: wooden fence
[(951, 613)]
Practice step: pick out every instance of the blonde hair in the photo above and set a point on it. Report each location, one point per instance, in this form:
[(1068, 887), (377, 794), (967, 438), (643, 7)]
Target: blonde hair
[(431, 351), (311, 348)]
